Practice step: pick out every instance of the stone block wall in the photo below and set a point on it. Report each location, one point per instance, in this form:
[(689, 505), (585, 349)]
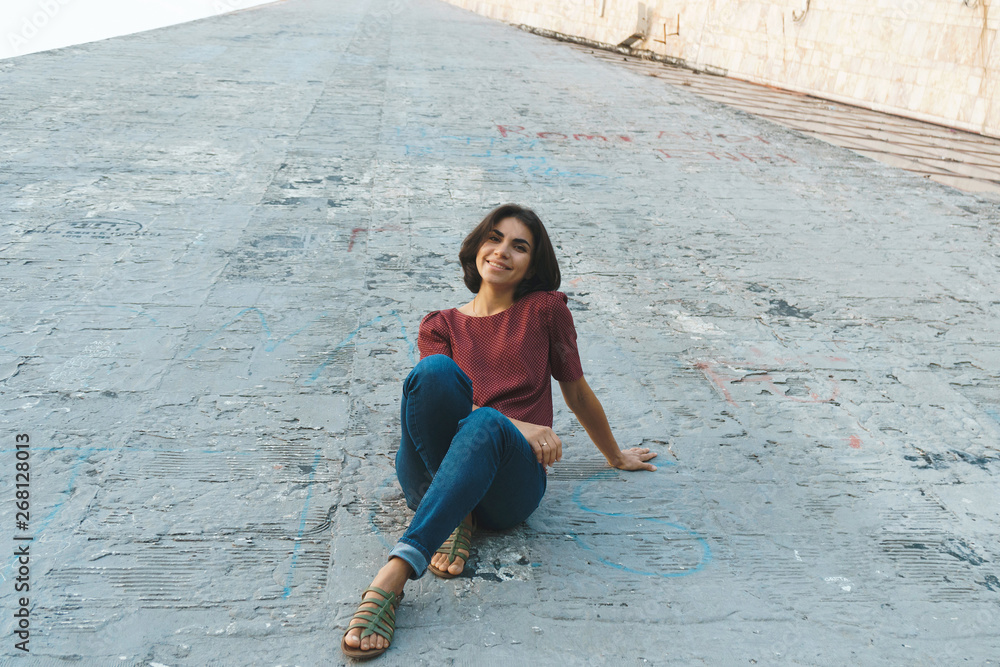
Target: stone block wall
[(934, 60)]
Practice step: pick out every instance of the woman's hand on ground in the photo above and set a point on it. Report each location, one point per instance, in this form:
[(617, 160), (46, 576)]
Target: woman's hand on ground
[(543, 440), (635, 458)]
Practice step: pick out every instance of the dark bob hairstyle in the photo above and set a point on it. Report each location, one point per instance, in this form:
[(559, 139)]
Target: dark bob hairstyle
[(543, 272)]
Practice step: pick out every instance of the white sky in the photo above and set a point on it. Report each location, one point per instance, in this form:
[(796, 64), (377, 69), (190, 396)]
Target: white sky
[(27, 26)]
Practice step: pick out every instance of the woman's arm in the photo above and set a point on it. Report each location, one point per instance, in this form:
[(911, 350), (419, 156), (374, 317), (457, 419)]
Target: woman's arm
[(581, 400)]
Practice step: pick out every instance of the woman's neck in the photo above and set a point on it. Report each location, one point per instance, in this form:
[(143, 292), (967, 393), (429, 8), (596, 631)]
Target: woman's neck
[(490, 302)]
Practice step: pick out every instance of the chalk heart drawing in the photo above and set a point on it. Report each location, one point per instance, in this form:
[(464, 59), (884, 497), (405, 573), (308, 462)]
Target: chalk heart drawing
[(639, 545)]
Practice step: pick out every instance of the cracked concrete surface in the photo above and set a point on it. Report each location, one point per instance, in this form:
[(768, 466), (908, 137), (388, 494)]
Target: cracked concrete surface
[(219, 240)]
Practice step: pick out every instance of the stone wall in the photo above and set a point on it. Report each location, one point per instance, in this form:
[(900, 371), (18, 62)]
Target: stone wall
[(935, 60)]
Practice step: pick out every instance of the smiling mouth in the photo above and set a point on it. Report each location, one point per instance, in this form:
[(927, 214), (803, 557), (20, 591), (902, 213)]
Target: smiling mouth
[(497, 266)]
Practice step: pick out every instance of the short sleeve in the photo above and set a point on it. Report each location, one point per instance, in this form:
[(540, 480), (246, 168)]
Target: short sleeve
[(564, 358), (433, 337)]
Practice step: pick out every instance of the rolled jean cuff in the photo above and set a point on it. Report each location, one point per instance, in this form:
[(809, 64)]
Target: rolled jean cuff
[(412, 554)]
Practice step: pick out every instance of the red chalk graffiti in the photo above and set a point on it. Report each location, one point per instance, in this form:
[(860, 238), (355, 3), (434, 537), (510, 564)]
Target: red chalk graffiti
[(358, 230), (682, 137), (738, 157), (722, 380), (699, 137), (717, 380), (711, 138), (506, 130)]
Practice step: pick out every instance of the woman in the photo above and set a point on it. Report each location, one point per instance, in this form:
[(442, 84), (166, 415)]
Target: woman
[(476, 413)]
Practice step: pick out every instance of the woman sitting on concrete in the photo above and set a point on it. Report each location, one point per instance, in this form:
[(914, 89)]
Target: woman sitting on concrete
[(477, 413)]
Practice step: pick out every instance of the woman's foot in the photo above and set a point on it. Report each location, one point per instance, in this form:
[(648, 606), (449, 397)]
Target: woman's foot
[(442, 561), (391, 578)]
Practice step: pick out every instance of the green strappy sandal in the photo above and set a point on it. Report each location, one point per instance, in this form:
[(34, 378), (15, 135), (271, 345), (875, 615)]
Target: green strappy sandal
[(459, 540), (380, 619)]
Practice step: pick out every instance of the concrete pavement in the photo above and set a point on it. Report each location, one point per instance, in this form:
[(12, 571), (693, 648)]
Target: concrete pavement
[(220, 238)]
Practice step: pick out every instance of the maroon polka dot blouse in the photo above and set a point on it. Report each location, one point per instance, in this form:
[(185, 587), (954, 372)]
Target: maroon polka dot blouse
[(509, 356)]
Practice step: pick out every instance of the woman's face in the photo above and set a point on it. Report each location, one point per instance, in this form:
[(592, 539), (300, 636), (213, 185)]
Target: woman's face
[(505, 257)]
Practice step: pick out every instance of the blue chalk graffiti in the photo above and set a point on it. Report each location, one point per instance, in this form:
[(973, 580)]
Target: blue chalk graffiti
[(371, 514), (39, 528), (272, 344), (302, 528), (537, 165), (706, 551), (269, 346), (375, 320)]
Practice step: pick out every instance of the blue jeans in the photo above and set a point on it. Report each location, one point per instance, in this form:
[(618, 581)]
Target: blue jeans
[(453, 461)]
